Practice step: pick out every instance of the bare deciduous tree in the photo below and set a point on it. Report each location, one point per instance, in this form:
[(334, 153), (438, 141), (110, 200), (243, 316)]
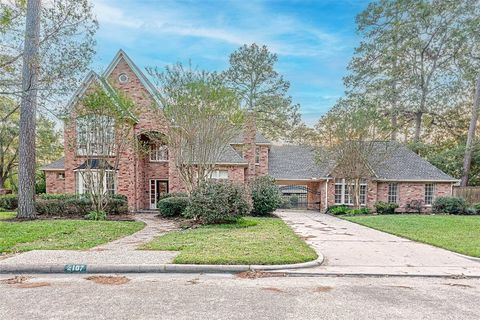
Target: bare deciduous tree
[(204, 116), (104, 123)]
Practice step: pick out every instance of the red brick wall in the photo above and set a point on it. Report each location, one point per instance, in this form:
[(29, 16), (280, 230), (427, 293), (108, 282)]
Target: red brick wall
[(54, 183), (409, 191)]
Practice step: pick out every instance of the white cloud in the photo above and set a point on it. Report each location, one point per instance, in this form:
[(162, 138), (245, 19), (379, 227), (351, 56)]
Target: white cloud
[(284, 34)]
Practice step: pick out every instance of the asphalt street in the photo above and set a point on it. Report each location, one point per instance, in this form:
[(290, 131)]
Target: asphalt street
[(193, 296)]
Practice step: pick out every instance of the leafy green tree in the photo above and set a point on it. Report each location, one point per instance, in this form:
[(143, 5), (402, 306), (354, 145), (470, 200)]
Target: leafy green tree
[(263, 91), (415, 58)]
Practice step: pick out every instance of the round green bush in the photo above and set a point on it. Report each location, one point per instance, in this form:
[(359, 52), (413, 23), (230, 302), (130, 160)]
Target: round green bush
[(172, 206), (9, 201), (218, 202), (449, 205), (294, 200), (266, 196), (338, 209), (382, 207)]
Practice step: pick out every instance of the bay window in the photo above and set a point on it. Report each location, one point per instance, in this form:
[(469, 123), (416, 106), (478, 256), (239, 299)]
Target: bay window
[(219, 175), (93, 181)]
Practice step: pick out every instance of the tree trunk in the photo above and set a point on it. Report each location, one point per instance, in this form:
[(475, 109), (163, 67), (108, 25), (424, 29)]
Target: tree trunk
[(394, 121), (467, 160), (418, 126), (28, 106)]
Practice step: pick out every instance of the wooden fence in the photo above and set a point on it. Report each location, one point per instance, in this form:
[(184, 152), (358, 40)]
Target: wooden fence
[(470, 194)]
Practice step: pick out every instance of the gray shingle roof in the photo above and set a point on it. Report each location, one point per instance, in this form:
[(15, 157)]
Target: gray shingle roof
[(56, 165), (290, 162), (400, 163), (394, 162), (231, 156), (259, 138)]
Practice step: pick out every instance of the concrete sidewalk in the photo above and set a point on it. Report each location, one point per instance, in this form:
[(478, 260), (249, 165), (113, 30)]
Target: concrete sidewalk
[(353, 249)]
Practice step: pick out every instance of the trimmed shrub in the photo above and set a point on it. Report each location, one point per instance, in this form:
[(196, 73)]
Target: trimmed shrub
[(382, 207), (218, 202), (51, 207), (78, 206), (96, 215), (56, 196), (9, 201), (172, 206), (450, 205), (266, 196), (117, 205), (74, 205), (414, 206), (358, 211), (172, 194), (338, 209)]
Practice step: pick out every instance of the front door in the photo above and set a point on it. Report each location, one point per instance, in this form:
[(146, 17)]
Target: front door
[(157, 187)]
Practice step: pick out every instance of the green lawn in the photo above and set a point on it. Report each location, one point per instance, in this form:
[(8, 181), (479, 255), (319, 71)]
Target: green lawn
[(62, 234), (5, 215), (456, 233), (250, 241)]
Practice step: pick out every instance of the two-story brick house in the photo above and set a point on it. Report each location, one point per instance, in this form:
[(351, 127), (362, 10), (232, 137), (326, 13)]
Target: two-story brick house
[(143, 177)]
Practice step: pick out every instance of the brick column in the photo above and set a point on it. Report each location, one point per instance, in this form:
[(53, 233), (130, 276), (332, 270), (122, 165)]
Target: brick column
[(250, 130)]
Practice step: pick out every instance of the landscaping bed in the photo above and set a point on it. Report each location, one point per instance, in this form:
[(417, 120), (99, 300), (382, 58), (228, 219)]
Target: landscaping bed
[(61, 234), (456, 233), (248, 241)]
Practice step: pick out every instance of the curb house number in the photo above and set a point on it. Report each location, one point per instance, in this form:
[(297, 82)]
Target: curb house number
[(75, 268)]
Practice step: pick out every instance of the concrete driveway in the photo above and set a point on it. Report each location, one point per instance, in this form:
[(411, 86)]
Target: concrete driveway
[(350, 248)]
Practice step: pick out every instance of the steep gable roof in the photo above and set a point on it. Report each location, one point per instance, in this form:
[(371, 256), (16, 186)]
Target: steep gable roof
[(259, 139), (121, 55)]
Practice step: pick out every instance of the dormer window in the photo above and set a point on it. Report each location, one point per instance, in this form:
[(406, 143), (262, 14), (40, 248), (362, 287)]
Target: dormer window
[(158, 153)]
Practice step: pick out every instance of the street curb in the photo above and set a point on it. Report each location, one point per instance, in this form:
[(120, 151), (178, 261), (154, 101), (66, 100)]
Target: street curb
[(373, 275), (467, 257), (156, 268)]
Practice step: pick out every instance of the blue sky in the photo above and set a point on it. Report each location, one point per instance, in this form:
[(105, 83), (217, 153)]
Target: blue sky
[(314, 40)]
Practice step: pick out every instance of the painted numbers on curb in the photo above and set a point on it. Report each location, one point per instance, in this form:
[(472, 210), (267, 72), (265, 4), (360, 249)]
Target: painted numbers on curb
[(75, 268)]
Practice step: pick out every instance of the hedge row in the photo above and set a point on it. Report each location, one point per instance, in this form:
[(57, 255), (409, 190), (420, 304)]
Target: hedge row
[(66, 204)]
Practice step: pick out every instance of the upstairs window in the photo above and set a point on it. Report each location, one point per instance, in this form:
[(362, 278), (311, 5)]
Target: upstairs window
[(393, 193), (158, 153), (429, 193), (218, 175), (257, 155), (95, 136), (342, 192)]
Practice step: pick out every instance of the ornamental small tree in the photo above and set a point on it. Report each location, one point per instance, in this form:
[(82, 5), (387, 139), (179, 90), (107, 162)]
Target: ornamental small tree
[(104, 124)]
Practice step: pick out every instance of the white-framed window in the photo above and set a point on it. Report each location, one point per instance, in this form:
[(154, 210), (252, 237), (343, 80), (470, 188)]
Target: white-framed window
[(95, 135), (392, 193), (257, 154), (342, 192), (61, 176), (158, 153), (429, 193), (218, 175), (91, 181)]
